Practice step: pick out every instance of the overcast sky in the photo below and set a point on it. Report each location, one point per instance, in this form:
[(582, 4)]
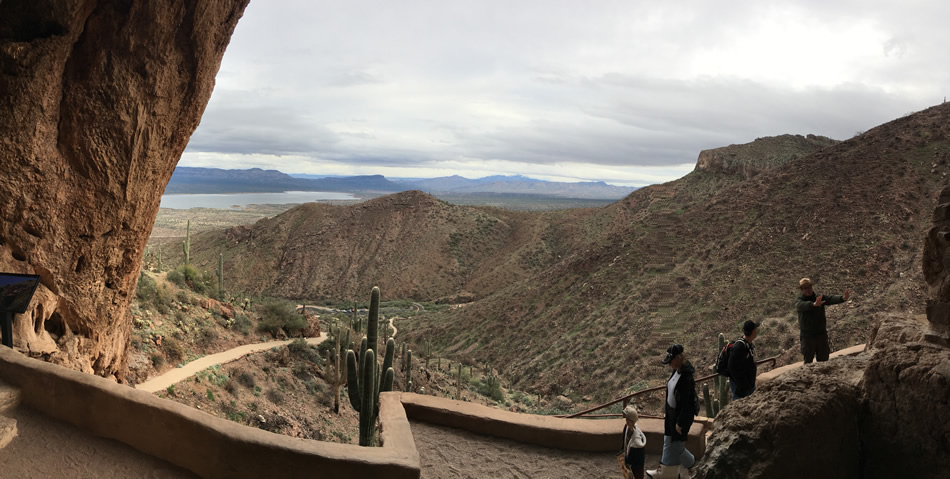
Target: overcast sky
[(627, 92)]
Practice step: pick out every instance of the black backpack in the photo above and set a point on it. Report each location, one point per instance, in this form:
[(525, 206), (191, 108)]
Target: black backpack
[(722, 361)]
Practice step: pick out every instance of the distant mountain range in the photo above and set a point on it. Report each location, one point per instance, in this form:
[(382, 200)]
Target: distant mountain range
[(188, 180)]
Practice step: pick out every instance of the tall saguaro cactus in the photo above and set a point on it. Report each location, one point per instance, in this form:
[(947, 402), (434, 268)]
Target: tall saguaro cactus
[(364, 380), (409, 370), (719, 397), (336, 363), (186, 245), (221, 276)]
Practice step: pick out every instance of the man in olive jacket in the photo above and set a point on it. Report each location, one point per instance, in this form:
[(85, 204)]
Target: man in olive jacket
[(812, 322)]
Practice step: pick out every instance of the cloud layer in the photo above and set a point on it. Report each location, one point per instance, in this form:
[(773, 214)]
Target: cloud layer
[(626, 92)]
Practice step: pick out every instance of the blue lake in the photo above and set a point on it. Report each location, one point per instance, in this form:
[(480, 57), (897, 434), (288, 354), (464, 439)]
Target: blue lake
[(240, 200)]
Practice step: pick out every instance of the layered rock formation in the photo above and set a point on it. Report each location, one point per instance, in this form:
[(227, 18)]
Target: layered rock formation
[(750, 159), (884, 413), (97, 102)]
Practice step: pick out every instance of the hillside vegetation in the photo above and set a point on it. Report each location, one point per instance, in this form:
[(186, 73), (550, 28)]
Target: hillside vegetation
[(583, 302)]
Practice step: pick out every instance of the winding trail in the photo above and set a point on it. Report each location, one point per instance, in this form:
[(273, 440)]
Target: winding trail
[(172, 376)]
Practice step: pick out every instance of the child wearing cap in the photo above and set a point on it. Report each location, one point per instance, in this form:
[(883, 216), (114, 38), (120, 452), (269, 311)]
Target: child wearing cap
[(633, 442)]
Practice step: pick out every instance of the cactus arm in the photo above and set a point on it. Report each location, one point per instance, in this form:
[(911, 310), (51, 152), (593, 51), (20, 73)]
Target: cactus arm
[(353, 384), (368, 391)]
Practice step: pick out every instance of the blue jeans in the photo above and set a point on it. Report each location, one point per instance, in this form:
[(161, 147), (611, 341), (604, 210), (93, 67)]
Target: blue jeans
[(675, 453), (732, 386)]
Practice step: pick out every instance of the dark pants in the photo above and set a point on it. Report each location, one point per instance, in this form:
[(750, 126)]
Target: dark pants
[(815, 347), (635, 460), (735, 390)]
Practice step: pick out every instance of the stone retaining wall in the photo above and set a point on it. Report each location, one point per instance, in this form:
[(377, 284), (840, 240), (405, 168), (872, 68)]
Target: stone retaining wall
[(209, 446), (215, 447)]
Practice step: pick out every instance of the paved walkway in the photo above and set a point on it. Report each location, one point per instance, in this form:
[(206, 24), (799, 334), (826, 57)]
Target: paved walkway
[(49, 448)]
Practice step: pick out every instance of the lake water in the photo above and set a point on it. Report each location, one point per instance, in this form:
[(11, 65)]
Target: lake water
[(239, 200)]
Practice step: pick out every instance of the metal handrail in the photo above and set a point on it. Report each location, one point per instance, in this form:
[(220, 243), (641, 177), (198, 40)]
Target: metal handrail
[(626, 399)]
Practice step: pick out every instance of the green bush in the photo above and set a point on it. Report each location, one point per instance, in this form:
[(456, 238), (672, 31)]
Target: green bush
[(146, 288), (206, 337), (302, 350), (491, 388), (150, 293), (242, 324), (173, 349), (186, 276), (277, 316)]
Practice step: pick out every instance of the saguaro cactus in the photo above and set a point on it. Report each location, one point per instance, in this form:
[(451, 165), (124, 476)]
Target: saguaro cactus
[(186, 245), (220, 275), (458, 384), (408, 370), (723, 384), (363, 388), (336, 364), (370, 408), (428, 353)]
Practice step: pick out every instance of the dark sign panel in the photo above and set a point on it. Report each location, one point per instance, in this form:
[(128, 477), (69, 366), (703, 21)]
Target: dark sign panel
[(16, 291)]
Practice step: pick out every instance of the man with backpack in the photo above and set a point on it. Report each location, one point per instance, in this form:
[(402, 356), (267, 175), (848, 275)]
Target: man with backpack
[(812, 322), (742, 367)]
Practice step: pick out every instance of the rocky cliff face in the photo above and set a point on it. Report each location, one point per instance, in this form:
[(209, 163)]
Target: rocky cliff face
[(884, 413), (750, 159), (97, 102)]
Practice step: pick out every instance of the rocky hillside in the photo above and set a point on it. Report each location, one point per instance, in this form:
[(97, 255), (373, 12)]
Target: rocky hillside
[(688, 259), (410, 244), (575, 301)]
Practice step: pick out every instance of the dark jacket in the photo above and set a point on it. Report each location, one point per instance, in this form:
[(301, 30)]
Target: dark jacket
[(742, 368), (685, 411), (811, 320)]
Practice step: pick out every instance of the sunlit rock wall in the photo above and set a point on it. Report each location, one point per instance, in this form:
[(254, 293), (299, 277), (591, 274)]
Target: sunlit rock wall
[(97, 102)]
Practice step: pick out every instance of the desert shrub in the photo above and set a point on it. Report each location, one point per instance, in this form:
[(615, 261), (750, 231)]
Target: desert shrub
[(302, 350), (186, 276), (275, 396), (242, 324), (277, 316), (151, 293), (302, 371), (491, 388), (183, 297), (245, 378), (157, 360), (146, 288), (233, 413), (173, 349), (206, 337), (231, 387)]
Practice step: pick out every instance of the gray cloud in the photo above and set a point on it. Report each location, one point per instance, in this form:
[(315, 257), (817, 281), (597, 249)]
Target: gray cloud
[(541, 84)]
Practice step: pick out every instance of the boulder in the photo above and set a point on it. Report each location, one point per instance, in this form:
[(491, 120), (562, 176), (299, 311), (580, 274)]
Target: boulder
[(802, 424), (905, 428), (97, 103)]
